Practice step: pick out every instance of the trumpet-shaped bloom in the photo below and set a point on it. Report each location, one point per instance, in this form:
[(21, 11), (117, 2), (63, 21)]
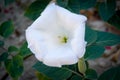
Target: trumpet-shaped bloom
[(57, 36)]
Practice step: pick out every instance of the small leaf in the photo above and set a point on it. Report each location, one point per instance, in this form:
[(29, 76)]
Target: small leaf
[(52, 72), (6, 29), (111, 74), (7, 2), (82, 65), (35, 9), (24, 51), (93, 52), (90, 36), (75, 77), (107, 39), (107, 9), (14, 66), (91, 74), (3, 56), (1, 43), (12, 49)]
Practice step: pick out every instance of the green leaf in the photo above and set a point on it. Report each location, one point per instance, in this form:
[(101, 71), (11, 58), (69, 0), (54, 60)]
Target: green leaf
[(14, 66), (76, 5), (107, 9), (7, 2), (107, 39), (115, 20), (75, 77), (62, 3), (24, 51), (41, 76), (3, 56), (90, 36), (85, 4), (93, 52), (35, 9), (1, 43), (91, 74), (82, 65), (111, 74), (6, 29), (12, 49), (52, 72)]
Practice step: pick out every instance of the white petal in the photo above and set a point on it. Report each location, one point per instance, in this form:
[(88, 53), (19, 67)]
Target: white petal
[(36, 43), (78, 42), (68, 19), (60, 56)]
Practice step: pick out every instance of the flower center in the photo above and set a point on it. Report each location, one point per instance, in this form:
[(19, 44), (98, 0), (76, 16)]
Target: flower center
[(63, 39)]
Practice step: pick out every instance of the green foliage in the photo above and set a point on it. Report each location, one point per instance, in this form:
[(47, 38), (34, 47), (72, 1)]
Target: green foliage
[(3, 56), (75, 77), (62, 3), (24, 51), (91, 74), (7, 2), (107, 9), (52, 72), (107, 39), (90, 36), (41, 76), (6, 29), (12, 49), (1, 43), (35, 9), (111, 74), (97, 40), (14, 66), (93, 52), (115, 20), (76, 5)]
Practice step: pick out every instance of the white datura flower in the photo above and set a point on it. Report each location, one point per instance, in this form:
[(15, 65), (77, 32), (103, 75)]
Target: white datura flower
[(57, 36)]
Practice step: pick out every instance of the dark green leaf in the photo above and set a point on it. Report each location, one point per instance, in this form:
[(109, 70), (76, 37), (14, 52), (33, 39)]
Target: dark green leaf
[(12, 49), (91, 74), (7, 2), (6, 29), (41, 76), (76, 5), (3, 56), (1, 43), (52, 72), (90, 36), (111, 74), (115, 20), (35, 9), (62, 3), (85, 4), (93, 52), (14, 66), (107, 39), (107, 9), (24, 51), (75, 77)]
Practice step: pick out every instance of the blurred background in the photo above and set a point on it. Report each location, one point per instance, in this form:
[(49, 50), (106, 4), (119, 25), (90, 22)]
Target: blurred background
[(15, 11)]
